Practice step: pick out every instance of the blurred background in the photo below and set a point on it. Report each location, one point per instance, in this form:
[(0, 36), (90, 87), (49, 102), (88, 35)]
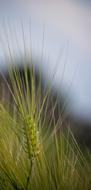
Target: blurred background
[(57, 35)]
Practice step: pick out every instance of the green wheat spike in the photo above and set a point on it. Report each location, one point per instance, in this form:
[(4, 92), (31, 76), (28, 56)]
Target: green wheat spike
[(33, 136)]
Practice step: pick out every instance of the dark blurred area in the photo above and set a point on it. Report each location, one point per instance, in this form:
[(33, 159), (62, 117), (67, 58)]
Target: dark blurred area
[(54, 105)]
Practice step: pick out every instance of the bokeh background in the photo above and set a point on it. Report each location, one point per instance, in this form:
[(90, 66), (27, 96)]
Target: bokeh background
[(57, 34)]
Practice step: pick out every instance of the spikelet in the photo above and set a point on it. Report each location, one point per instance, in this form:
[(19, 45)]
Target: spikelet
[(32, 135)]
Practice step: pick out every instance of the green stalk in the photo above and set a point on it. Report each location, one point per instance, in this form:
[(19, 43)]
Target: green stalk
[(29, 175)]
